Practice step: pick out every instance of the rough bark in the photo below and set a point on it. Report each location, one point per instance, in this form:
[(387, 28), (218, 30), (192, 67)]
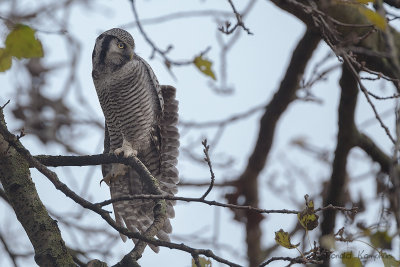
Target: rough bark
[(42, 230)]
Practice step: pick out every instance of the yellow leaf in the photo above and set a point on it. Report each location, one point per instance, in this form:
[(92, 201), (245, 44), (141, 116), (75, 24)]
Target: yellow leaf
[(349, 260), (381, 239), (389, 260), (282, 238), (374, 17), (203, 262), (204, 66), (307, 218), (310, 205), (5, 60), (21, 43)]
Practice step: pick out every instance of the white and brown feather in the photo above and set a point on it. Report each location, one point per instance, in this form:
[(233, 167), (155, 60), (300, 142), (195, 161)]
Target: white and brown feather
[(139, 110)]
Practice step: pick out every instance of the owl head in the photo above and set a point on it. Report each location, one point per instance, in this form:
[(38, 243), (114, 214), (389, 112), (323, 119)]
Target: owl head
[(113, 49)]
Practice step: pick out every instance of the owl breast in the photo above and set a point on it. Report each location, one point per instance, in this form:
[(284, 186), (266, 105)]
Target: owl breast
[(128, 99)]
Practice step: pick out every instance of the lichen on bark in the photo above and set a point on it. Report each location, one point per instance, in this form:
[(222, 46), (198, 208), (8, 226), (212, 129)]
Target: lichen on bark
[(42, 230)]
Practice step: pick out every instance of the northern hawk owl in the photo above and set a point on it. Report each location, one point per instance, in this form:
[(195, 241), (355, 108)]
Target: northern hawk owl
[(140, 119)]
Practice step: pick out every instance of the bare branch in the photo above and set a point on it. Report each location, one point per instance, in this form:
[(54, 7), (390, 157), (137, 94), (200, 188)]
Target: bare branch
[(239, 22), (208, 160), (345, 142)]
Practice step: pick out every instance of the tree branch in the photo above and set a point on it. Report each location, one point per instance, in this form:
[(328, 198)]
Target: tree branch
[(376, 154), (345, 141), (42, 230), (248, 182), (135, 163)]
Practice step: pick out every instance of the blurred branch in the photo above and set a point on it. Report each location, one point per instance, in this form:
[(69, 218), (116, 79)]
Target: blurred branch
[(394, 3), (248, 182), (376, 154), (199, 184), (223, 122), (345, 141), (10, 254), (179, 15)]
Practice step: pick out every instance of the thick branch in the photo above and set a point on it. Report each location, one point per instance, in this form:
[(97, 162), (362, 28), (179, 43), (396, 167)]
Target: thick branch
[(345, 141), (349, 23), (42, 230), (248, 183), (376, 154)]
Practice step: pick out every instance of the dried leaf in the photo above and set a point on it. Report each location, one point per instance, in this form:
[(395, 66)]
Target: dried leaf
[(5, 60), (204, 66), (283, 239), (21, 43)]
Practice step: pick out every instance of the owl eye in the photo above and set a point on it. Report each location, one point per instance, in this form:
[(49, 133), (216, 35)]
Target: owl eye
[(121, 45)]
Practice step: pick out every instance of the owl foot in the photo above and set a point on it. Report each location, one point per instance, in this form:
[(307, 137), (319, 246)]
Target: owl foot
[(116, 171), (126, 150)]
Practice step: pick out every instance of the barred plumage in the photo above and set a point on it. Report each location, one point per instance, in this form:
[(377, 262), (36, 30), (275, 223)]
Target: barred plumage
[(140, 118)]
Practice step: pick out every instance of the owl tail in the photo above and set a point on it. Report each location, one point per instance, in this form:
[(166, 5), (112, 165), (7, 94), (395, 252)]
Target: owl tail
[(137, 215)]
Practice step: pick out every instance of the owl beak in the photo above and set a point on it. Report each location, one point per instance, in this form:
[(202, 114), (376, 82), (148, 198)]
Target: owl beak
[(131, 56)]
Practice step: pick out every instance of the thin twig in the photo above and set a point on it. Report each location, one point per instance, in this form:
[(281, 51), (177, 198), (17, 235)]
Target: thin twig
[(8, 101), (239, 22), (163, 53), (219, 204), (208, 160), (223, 122), (348, 62)]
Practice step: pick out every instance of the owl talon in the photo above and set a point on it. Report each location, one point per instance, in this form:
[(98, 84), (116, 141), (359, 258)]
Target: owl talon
[(126, 150), (116, 171)]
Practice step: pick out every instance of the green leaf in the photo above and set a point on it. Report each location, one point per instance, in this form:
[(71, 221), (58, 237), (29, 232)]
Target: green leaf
[(349, 260), (204, 66), (307, 218), (203, 262), (389, 260), (5, 60), (374, 17), (283, 239), (21, 43), (381, 239)]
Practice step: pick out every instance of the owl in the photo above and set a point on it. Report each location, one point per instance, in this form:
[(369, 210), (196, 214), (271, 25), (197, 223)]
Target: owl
[(140, 120)]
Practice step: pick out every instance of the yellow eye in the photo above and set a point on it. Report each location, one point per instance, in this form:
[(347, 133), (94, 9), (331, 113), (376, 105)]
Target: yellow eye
[(121, 45)]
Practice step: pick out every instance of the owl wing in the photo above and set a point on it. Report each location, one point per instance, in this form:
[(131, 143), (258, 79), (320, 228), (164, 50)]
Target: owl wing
[(137, 215)]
